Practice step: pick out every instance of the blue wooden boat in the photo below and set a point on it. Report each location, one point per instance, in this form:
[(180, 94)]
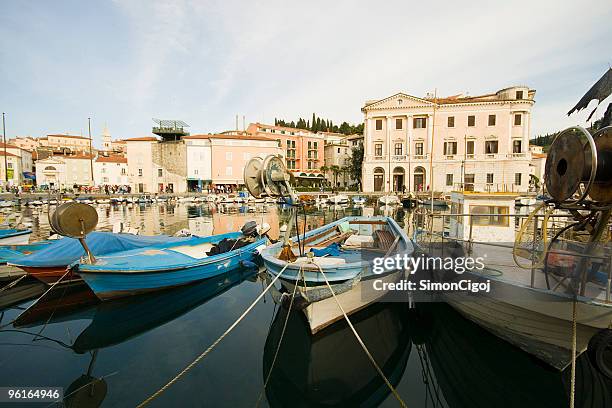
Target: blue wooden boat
[(344, 251), (165, 265), (12, 236), (12, 253)]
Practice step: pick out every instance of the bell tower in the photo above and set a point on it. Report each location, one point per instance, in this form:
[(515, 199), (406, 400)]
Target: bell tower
[(106, 140)]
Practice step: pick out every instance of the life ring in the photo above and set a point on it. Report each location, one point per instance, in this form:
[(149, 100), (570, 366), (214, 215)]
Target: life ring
[(600, 352)]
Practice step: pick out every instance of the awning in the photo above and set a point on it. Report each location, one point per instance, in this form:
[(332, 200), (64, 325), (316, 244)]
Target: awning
[(29, 175)]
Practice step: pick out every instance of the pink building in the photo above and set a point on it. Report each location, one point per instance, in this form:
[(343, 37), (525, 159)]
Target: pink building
[(302, 149)]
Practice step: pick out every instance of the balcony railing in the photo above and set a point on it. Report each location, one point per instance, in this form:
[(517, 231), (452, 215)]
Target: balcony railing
[(517, 155), (420, 156), (399, 157)]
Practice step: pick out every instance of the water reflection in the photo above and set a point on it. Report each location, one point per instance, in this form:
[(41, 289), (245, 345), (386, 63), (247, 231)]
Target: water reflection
[(117, 353), (470, 367), (331, 369)]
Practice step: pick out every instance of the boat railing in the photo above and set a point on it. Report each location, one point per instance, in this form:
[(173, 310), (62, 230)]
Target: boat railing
[(427, 229)]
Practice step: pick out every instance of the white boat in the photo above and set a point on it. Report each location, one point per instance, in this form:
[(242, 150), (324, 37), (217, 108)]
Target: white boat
[(338, 199), (13, 236), (186, 199), (525, 201), (389, 200), (103, 201), (350, 273), (526, 306), (322, 199), (358, 200)]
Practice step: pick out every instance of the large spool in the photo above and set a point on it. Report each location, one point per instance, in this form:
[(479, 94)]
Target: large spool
[(579, 166), (268, 177), (75, 220)]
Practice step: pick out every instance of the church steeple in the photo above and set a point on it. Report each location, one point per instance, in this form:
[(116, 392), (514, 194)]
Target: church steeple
[(106, 139)]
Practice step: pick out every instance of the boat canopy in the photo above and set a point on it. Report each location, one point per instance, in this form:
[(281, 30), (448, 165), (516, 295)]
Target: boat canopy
[(67, 250)]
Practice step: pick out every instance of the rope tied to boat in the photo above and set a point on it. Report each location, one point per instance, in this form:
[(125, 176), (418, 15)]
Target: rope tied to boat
[(361, 343), (573, 375), (213, 345)]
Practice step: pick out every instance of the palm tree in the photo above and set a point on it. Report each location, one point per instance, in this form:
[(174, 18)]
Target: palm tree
[(324, 169), (335, 170)]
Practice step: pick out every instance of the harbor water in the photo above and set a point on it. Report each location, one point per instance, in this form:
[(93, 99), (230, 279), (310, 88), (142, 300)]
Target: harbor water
[(118, 353)]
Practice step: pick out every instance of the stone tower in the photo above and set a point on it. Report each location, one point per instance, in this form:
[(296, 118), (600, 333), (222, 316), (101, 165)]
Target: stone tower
[(106, 140)]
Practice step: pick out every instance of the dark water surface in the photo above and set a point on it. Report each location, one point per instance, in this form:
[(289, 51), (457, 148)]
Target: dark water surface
[(129, 348)]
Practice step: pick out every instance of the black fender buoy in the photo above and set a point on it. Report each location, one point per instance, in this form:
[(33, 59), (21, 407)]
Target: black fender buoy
[(600, 352)]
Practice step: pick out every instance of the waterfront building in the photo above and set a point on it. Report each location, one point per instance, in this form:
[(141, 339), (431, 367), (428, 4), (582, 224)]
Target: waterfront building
[(28, 143), (112, 146), (18, 168), (538, 162), (111, 170), (475, 143), (337, 159), (64, 171), (219, 159), (65, 144), (302, 150)]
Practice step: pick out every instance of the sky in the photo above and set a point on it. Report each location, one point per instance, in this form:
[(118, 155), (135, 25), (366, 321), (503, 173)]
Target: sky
[(123, 63)]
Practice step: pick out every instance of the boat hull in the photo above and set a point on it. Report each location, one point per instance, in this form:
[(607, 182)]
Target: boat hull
[(21, 238), (50, 275), (113, 284)]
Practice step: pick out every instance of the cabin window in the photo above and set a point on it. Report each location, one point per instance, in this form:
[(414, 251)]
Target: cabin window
[(490, 215)]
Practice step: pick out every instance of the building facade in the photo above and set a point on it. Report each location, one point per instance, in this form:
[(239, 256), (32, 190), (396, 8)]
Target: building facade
[(337, 160), (302, 150), (220, 159), (476, 143), (18, 169), (25, 142), (111, 170), (64, 171)]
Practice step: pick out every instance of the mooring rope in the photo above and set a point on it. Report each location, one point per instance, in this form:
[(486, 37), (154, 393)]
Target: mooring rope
[(13, 283), (280, 341), (212, 346), (573, 379), (361, 343)]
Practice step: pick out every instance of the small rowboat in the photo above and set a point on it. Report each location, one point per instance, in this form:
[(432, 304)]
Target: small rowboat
[(49, 264), (10, 253), (11, 236), (167, 265), (344, 251), (389, 200)]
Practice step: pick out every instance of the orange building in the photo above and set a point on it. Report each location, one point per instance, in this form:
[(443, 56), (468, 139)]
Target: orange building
[(302, 149)]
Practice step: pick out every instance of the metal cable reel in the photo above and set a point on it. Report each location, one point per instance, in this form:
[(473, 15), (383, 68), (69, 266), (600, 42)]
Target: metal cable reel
[(75, 220), (579, 163), (269, 177)]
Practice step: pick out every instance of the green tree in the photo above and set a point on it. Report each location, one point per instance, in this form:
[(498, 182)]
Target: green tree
[(356, 162), (335, 169)]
